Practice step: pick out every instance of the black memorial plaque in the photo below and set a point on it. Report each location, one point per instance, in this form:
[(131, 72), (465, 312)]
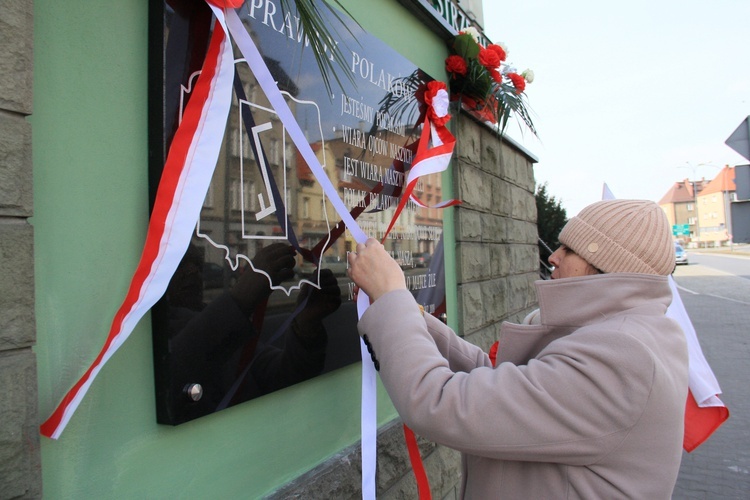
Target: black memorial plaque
[(262, 299)]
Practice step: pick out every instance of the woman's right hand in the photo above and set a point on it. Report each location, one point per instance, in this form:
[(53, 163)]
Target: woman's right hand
[(373, 270)]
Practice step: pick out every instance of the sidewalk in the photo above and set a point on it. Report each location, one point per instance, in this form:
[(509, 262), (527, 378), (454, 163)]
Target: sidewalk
[(736, 249)]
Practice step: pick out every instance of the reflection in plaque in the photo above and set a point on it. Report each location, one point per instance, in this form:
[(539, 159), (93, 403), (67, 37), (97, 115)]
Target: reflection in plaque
[(261, 299)]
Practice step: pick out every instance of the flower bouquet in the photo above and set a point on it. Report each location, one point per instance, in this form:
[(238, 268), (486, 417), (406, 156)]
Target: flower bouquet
[(482, 80)]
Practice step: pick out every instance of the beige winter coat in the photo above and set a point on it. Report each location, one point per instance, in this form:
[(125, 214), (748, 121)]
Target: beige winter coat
[(588, 404)]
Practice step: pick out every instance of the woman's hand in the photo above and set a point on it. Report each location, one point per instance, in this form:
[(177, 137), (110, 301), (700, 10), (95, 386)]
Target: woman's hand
[(374, 271)]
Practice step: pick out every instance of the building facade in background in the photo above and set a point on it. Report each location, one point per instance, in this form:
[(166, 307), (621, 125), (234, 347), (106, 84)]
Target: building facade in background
[(680, 205), (714, 221), (700, 211)]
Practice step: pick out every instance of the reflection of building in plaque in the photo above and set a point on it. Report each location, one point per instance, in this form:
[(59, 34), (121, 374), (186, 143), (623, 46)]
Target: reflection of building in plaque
[(315, 215)]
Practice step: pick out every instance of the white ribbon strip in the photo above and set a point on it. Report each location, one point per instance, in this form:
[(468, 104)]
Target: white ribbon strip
[(433, 164), (369, 417), (701, 378)]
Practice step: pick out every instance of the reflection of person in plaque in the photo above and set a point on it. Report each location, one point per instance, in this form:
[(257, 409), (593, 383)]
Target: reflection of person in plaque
[(585, 399), (218, 346)]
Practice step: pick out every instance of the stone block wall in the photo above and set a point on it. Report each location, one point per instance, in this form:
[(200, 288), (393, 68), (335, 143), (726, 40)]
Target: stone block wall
[(20, 463), (497, 264), (496, 233)]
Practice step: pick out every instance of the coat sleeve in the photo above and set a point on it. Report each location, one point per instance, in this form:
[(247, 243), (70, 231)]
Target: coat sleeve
[(572, 404), (462, 356)]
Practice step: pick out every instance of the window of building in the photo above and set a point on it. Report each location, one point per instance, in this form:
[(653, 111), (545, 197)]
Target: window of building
[(248, 191), (275, 153), (235, 198), (246, 149), (305, 208), (233, 138), (289, 153), (241, 195), (209, 201)]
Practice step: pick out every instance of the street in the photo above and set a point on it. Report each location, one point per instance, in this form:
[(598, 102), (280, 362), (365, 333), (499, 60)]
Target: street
[(715, 289)]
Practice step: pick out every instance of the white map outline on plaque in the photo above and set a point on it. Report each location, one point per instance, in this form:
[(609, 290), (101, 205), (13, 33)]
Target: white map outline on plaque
[(235, 263)]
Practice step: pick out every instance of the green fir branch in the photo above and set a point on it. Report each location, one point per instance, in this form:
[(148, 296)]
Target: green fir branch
[(321, 38)]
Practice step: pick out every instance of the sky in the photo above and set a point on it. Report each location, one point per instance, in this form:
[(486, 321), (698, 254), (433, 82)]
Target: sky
[(638, 95)]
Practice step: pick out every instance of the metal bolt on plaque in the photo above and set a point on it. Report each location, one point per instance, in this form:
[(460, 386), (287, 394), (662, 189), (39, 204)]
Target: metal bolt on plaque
[(194, 391)]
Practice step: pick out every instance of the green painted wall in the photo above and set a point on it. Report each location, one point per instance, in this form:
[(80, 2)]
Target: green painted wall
[(90, 183)]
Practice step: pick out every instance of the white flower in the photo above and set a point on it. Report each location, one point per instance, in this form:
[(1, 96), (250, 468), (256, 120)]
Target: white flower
[(528, 75), (471, 30), (440, 103)]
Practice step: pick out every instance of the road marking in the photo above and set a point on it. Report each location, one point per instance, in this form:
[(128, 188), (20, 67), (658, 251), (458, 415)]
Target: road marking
[(727, 255), (727, 298), (686, 290), (682, 288)]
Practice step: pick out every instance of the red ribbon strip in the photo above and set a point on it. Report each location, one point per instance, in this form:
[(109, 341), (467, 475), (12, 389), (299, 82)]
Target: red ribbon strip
[(423, 484), (227, 4)]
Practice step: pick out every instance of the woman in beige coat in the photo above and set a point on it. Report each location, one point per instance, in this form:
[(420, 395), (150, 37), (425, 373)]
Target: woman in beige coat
[(586, 401)]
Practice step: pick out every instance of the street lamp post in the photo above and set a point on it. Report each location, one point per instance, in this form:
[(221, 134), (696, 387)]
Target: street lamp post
[(695, 200), (693, 168)]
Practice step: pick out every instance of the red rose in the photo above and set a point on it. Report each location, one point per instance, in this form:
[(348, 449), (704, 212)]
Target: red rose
[(497, 49), (518, 82), (455, 65), (433, 87), (495, 74), (488, 58)]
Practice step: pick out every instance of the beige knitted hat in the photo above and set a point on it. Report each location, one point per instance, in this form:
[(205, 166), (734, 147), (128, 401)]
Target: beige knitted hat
[(622, 236)]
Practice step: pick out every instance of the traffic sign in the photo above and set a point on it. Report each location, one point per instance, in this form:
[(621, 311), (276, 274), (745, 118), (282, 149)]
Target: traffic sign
[(740, 139)]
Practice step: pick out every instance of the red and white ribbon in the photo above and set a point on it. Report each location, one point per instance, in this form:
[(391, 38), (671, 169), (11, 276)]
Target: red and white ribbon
[(185, 180), (704, 411), (430, 160)]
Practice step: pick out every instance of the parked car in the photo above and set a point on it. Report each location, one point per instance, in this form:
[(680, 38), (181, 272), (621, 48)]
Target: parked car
[(310, 269), (680, 254), (335, 263), (422, 259), (213, 275)]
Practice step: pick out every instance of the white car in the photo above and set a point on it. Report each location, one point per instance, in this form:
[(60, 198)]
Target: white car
[(680, 254)]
